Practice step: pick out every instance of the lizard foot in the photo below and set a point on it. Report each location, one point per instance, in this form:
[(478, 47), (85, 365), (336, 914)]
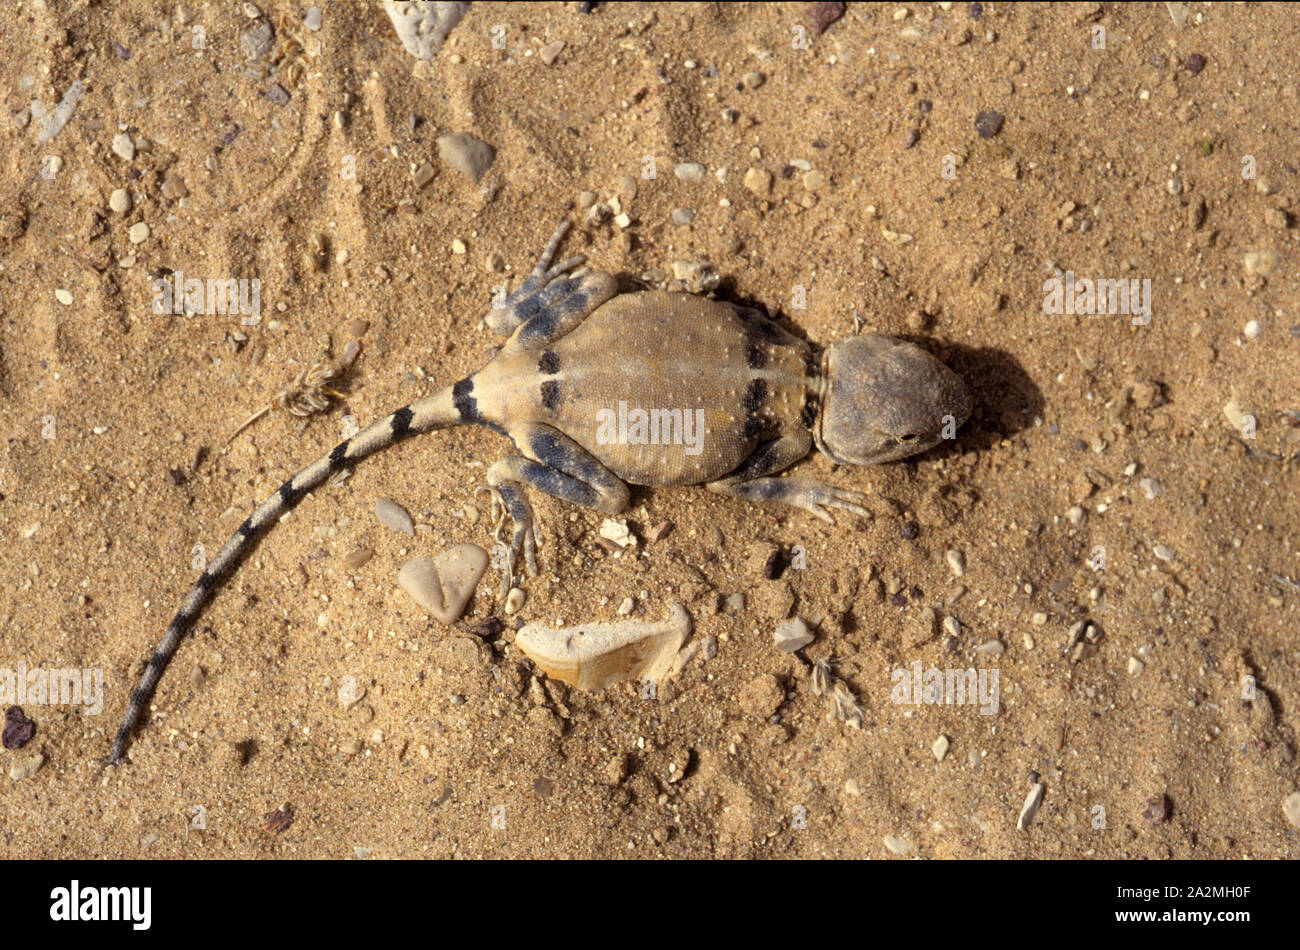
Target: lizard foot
[(508, 499), (816, 496)]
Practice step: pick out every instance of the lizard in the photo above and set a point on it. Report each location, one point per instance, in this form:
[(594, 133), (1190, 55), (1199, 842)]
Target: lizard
[(734, 397)]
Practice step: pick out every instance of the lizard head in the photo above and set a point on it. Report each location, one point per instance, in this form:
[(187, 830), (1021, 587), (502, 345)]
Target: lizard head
[(885, 399)]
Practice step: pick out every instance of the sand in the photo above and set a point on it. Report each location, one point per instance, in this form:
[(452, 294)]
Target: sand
[(1167, 730)]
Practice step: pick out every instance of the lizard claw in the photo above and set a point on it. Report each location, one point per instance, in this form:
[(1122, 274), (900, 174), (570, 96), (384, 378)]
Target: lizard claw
[(811, 495), (507, 499)]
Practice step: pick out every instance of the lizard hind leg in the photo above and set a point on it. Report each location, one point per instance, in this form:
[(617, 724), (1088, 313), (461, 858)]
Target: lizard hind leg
[(555, 464)]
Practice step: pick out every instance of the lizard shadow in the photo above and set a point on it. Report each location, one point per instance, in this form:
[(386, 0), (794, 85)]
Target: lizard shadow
[(1006, 398)]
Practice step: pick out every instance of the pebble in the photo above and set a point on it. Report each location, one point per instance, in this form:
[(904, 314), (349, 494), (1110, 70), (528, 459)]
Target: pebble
[(515, 600), (956, 561), (1135, 666), (394, 516), (1150, 487), (277, 94), (551, 50), (991, 648), (1291, 809), (18, 729), (616, 530), (1260, 263), (1252, 329), (814, 180), (792, 635), (823, 14), (689, 171), (1030, 807), (659, 531), (752, 79), (442, 586), (123, 147), (312, 20), (898, 845), (25, 766), (1075, 515), (759, 181), (470, 156), (1195, 63), (591, 656), (1157, 810), (351, 692), (940, 748), (988, 123), (63, 296), (138, 232), (626, 607), (173, 187), (853, 786), (1038, 619), (494, 262), (1162, 552), (423, 29), (120, 200), (682, 216)]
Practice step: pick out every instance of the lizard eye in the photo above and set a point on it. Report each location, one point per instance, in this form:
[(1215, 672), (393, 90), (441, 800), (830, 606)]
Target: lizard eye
[(910, 437)]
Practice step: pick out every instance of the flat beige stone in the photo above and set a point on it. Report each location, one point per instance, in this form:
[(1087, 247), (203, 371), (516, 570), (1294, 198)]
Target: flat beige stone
[(442, 586)]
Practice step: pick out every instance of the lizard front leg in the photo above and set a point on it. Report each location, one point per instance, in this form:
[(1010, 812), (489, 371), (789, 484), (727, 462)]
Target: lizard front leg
[(747, 480), (551, 462)]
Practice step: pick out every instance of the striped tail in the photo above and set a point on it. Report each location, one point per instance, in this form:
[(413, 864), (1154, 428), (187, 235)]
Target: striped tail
[(434, 412)]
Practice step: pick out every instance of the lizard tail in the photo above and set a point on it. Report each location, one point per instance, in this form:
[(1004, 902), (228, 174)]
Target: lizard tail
[(437, 411)]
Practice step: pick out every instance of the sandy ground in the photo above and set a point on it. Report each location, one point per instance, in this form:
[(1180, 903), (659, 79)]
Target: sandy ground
[(1100, 479)]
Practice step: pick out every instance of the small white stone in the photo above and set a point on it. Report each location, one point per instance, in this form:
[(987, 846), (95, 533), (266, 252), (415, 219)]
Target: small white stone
[(1150, 487), (956, 562), (1135, 666), (1291, 809), (1253, 329), (1162, 552), (792, 635), (25, 766), (1075, 515), (1030, 807), (515, 600), (940, 747), (616, 530), (991, 648), (689, 171), (898, 845), (138, 232), (394, 516), (64, 297), (626, 607), (351, 692), (120, 200), (123, 147)]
